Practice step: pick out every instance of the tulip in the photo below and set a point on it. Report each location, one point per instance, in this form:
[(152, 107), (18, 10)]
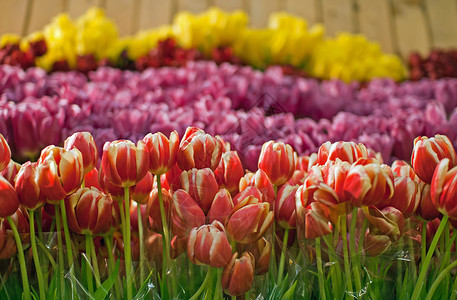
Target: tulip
[(306, 162), (260, 181), (427, 210), (8, 247), (261, 250), (201, 185), (10, 171), (173, 178), (403, 169), (162, 151), (315, 222), (249, 191), (443, 188), (27, 189), (199, 150), (285, 207), (375, 245), (221, 207), (142, 189), (229, 171), (9, 201), (345, 151), (5, 153), (59, 172), (91, 179), (124, 163), (428, 152), (277, 160), (406, 197), (116, 192), (185, 213), (249, 220), (389, 221), (238, 275), (89, 211), (84, 142), (208, 244), (153, 209)]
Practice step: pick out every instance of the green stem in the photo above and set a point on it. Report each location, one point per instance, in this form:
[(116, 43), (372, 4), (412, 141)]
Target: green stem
[(60, 250), (39, 222), (117, 283), (320, 272), (283, 256), (347, 268), (67, 235), (438, 280), (20, 254), (424, 268), (94, 261), (423, 241), (203, 286), (335, 271), (412, 253), (141, 242), (39, 225), (354, 260), (454, 286), (399, 267), (218, 295), (36, 258), (90, 284), (127, 245), (122, 213)]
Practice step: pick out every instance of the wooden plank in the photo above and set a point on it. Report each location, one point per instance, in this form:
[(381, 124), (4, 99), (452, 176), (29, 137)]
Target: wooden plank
[(260, 10), (231, 5), (78, 7), (376, 22), (311, 10), (412, 31), (338, 16), (123, 12), (155, 13), (12, 16), (443, 22), (193, 6), (42, 12)]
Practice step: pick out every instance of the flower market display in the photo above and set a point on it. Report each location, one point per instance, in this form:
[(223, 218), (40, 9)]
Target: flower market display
[(211, 160)]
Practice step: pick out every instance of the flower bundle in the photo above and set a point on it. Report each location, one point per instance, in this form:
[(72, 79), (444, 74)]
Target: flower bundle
[(92, 40), (438, 64), (179, 217)]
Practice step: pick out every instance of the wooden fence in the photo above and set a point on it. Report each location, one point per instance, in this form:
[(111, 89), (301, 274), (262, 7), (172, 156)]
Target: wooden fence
[(400, 26)]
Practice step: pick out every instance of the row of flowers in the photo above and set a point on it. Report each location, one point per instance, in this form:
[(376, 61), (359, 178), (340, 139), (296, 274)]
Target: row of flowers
[(340, 216), (244, 106), (93, 39)]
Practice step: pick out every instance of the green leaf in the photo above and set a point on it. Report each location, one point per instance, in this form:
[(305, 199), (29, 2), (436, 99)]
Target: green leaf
[(289, 294), (52, 290), (103, 290)]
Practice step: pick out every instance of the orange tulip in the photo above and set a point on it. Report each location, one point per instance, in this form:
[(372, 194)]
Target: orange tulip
[(229, 171), (162, 151), (5, 153), (201, 185), (221, 207), (345, 151), (84, 142), (443, 189), (9, 201), (277, 160), (238, 275), (27, 189)]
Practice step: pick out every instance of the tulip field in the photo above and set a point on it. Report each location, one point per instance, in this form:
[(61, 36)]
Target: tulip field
[(189, 162)]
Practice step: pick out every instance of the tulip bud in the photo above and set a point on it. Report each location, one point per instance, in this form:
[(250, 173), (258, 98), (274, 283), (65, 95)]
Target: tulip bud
[(277, 160), (375, 245), (89, 211), (208, 244), (185, 213), (91, 179), (443, 189), (5, 153), (305, 163), (162, 151), (27, 189), (124, 163), (153, 209), (260, 181), (249, 220), (238, 275), (116, 192), (10, 171), (199, 150), (134, 215), (345, 151), (84, 142), (8, 247), (142, 189), (427, 154), (389, 221), (315, 222), (173, 178), (261, 250), (201, 185), (9, 201), (427, 210), (285, 206), (229, 171), (401, 168), (59, 172), (221, 207), (406, 197)]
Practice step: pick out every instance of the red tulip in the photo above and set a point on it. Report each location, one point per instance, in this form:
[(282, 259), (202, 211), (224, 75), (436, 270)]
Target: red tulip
[(229, 172), (153, 209), (199, 150), (427, 210), (8, 247), (10, 171), (89, 211), (59, 172), (314, 221), (162, 151), (277, 160), (185, 213), (208, 244), (389, 221), (249, 191), (427, 154), (27, 189), (91, 179), (249, 220), (375, 245), (401, 168), (5, 153), (173, 178), (84, 142), (9, 201), (238, 275), (406, 197), (306, 162), (142, 189), (221, 207), (116, 192), (285, 206), (134, 215), (201, 185), (261, 181), (443, 189), (261, 250), (123, 163), (345, 151)]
